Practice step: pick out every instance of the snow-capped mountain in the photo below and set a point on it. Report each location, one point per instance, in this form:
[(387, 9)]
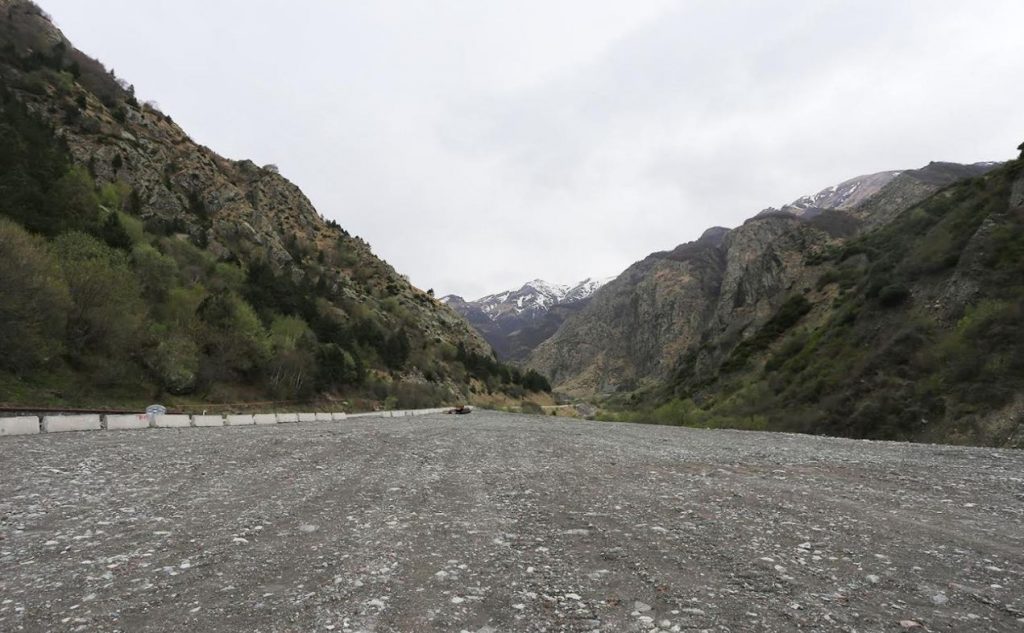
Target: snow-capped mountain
[(845, 195), (849, 194), (516, 321)]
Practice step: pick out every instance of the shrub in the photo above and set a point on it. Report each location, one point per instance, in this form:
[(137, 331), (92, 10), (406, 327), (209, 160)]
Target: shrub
[(531, 408), (107, 311), (175, 363), (34, 300), (156, 272)]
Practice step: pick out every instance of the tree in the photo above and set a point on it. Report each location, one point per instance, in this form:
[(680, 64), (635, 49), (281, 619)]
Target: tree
[(337, 367), (533, 381), (1021, 148), (395, 351), (34, 300), (175, 363), (114, 233), (107, 311), (156, 272), (73, 201), (292, 367), (233, 338)]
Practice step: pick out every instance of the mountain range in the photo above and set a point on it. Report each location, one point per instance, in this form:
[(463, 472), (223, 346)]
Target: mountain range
[(885, 306), (514, 322)]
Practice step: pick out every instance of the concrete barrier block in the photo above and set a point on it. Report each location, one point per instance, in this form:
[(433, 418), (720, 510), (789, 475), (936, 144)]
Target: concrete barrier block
[(307, 417), (323, 417), (287, 418), (238, 420), (21, 425), (208, 420), (168, 421), (63, 423), (338, 416), (127, 421), (264, 418)]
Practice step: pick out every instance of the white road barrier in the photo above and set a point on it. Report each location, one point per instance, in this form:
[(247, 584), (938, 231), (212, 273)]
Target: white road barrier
[(21, 425), (62, 423), (207, 420), (168, 421), (30, 425), (126, 421)]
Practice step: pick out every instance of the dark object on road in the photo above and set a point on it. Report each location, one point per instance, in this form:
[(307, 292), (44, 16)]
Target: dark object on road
[(460, 410)]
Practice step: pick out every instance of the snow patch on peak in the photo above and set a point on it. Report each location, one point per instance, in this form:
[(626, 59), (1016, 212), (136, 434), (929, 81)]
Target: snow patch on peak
[(585, 289), (547, 288), (536, 297)]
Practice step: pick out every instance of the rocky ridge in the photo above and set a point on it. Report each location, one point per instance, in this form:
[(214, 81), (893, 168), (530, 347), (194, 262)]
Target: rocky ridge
[(710, 294)]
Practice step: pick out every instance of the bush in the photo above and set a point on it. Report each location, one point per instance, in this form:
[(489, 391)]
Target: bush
[(533, 381), (107, 310), (175, 364), (233, 338), (531, 408), (34, 300), (157, 273)]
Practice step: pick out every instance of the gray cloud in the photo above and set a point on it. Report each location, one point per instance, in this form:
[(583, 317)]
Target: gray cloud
[(566, 139)]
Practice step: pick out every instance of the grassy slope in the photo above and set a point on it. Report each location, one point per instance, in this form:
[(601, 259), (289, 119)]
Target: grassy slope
[(914, 332)]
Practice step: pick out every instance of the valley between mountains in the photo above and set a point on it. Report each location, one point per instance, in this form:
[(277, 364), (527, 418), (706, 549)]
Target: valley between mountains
[(138, 266), (886, 306)]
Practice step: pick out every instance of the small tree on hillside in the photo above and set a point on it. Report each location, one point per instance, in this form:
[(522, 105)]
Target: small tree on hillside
[(1021, 148)]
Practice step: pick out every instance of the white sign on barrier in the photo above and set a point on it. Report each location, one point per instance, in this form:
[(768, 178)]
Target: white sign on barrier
[(128, 421)]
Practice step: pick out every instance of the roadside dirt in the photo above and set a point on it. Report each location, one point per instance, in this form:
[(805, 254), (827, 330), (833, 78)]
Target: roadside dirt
[(497, 522)]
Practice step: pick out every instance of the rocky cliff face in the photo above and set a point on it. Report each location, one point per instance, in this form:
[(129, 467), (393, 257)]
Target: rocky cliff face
[(515, 322), (696, 303), (241, 213)]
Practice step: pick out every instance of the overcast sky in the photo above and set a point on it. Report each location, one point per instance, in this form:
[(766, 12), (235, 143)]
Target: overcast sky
[(477, 144)]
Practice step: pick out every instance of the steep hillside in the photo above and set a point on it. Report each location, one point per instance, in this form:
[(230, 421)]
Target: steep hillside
[(701, 299), (515, 322), (166, 270), (910, 331)]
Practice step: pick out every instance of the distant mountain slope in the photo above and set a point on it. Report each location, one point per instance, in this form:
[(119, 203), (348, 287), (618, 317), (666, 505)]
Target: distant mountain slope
[(908, 331), (845, 195), (712, 293), (168, 271), (514, 322)]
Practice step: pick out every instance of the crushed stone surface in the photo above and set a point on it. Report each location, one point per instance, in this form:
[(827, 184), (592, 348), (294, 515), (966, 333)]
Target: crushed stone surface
[(497, 522)]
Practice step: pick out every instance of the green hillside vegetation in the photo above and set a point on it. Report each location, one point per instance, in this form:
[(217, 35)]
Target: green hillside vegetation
[(101, 307), (913, 331)]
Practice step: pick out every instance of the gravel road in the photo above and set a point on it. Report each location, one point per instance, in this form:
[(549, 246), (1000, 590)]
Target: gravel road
[(496, 522)]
